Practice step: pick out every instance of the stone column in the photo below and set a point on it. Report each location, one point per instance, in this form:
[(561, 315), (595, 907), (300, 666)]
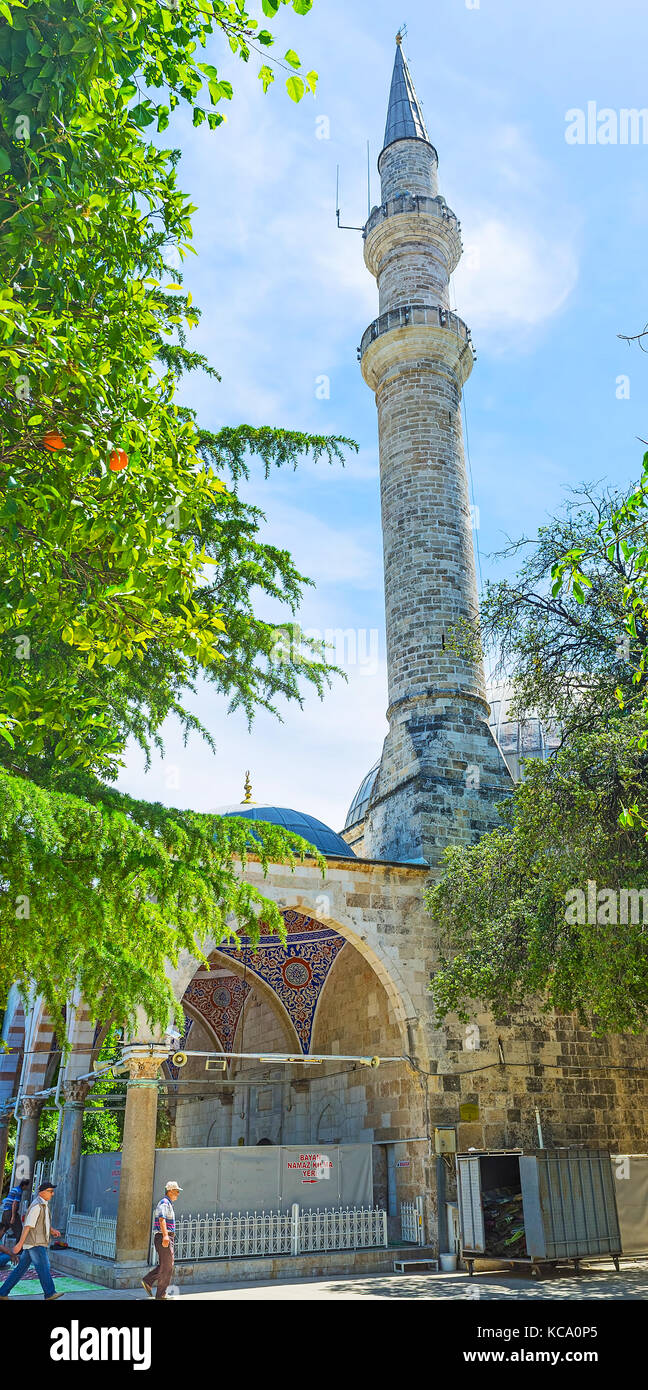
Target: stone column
[(27, 1138), (69, 1154), (138, 1154)]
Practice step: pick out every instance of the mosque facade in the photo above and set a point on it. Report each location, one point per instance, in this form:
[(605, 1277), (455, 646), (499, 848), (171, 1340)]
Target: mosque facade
[(351, 984)]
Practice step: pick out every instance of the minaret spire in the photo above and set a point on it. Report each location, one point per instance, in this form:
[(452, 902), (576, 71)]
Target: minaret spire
[(404, 116)]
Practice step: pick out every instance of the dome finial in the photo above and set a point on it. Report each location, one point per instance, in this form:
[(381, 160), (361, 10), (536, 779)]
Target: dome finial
[(247, 788)]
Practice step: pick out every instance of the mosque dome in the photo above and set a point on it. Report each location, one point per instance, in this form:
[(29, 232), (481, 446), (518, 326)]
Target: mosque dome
[(321, 836), (520, 737), (358, 808)]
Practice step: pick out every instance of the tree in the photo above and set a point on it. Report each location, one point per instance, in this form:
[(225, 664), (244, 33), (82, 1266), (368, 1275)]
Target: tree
[(108, 483), (623, 534), (129, 563), (511, 919)]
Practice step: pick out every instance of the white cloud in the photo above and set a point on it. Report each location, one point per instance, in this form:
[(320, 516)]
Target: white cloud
[(328, 554), (512, 279)]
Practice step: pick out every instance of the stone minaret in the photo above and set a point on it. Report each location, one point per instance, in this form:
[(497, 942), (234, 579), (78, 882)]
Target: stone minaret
[(441, 771)]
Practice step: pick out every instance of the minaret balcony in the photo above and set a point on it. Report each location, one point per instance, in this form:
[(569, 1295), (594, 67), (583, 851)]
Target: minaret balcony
[(412, 332), (411, 218)]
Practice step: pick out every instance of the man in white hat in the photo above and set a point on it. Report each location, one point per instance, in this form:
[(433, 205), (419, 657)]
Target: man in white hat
[(164, 1221)]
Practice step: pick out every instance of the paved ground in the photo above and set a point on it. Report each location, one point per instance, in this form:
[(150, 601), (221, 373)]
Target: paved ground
[(595, 1282)]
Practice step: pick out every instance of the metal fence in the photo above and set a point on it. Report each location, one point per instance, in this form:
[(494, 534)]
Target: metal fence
[(95, 1235), (411, 202), (244, 1234), (216, 1237), (412, 1225), (350, 1228), (405, 314)]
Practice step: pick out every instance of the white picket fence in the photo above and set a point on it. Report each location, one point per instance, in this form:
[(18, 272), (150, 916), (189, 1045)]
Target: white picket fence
[(342, 1228), (217, 1237), (96, 1234), (412, 1224), (244, 1234)]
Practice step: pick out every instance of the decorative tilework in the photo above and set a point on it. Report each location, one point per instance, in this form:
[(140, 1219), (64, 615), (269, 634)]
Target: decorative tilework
[(297, 972), (219, 1002)]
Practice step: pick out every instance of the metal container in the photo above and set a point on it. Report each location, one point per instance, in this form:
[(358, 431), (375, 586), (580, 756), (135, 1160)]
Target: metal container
[(568, 1203)]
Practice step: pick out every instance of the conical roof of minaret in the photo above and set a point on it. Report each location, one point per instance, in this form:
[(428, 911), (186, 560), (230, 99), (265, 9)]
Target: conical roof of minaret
[(404, 117)]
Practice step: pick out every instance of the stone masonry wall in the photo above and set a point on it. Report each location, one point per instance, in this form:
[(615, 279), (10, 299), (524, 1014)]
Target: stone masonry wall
[(411, 275), (376, 1001), (408, 166)]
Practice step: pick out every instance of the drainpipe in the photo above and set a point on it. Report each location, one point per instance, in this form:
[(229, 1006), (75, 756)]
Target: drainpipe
[(57, 1096), (29, 1036), (60, 1104), (392, 1205)]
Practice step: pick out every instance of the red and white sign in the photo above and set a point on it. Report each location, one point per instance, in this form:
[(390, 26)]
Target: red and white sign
[(313, 1166)]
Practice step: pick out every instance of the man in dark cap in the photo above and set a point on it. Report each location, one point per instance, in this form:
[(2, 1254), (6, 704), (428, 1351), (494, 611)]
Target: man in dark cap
[(33, 1246)]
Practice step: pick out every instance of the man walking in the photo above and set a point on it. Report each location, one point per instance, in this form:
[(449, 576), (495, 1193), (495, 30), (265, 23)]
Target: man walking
[(33, 1245), (10, 1219), (164, 1222)]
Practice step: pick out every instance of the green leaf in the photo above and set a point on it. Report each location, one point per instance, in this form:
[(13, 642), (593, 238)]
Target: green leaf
[(311, 81), (295, 88), (292, 58), (270, 7), (5, 162), (266, 76)]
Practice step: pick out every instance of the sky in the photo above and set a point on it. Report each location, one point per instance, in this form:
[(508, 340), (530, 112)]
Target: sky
[(554, 269)]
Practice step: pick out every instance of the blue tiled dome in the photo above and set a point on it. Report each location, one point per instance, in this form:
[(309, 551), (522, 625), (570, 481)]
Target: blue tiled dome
[(358, 808), (311, 829)]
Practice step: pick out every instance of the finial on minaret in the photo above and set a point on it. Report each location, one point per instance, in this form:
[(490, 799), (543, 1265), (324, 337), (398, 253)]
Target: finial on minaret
[(247, 788)]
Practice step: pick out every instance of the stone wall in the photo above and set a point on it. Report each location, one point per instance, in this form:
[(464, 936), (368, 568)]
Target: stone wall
[(376, 1002), (408, 166)]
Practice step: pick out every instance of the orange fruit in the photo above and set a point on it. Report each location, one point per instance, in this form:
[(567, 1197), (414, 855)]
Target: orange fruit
[(53, 440), (118, 460)]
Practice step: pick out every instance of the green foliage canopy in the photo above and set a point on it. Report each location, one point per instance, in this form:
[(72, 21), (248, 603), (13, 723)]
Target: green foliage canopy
[(507, 908), (130, 565)]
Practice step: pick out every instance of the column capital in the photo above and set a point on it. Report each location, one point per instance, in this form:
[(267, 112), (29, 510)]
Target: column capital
[(75, 1092), (226, 1097), (31, 1106), (144, 1060)]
